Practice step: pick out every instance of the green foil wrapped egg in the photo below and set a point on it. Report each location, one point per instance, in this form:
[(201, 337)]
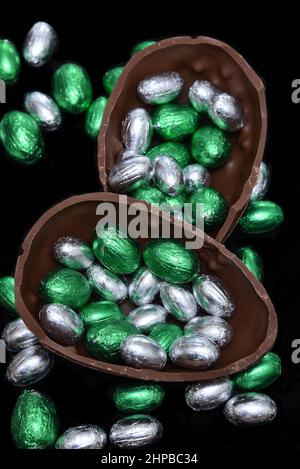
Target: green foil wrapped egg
[(104, 338), (210, 146), (110, 78), (9, 62), (175, 150), (214, 208), (141, 46), (149, 194), (165, 334), (118, 253), (261, 216), (171, 261), (98, 311), (175, 121), (21, 137), (34, 422), (252, 261), (138, 398), (66, 286), (93, 117), (261, 375), (72, 88), (7, 294)]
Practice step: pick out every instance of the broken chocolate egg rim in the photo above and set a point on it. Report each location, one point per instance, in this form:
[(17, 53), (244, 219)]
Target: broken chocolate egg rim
[(235, 77), (254, 321)]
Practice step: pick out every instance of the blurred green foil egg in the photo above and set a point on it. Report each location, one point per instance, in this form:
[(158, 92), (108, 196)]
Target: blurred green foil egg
[(118, 253), (7, 294), (21, 137), (34, 422), (141, 46), (149, 194), (93, 117), (98, 311), (171, 261), (176, 202), (138, 398), (66, 286), (111, 77), (210, 146), (214, 208), (261, 375), (252, 261), (261, 216), (72, 88), (104, 338), (165, 335), (9, 62), (175, 121), (175, 150)]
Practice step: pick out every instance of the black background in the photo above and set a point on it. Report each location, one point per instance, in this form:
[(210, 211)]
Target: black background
[(101, 37)]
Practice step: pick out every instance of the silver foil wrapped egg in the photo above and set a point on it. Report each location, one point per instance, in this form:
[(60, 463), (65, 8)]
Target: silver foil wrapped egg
[(213, 297), (250, 409), (140, 351), (168, 175), (106, 283), (178, 301), (73, 253), (143, 287), (127, 153), (147, 316), (262, 184), (29, 366), (43, 109), (208, 395), (137, 130), (194, 352), (226, 112), (17, 336), (160, 88), (135, 431), (61, 323), (216, 329), (201, 94), (130, 174), (82, 437), (40, 44), (195, 176)]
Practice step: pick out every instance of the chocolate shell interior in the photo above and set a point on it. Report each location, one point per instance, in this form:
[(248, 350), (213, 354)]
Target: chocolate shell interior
[(206, 59), (254, 321)]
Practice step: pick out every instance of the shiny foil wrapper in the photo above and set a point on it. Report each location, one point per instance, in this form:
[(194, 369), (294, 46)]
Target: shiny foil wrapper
[(214, 328), (207, 204), (168, 175), (143, 287), (40, 44), (210, 146), (165, 335), (146, 316), (262, 184), (175, 150), (10, 64), (7, 294), (194, 352), (98, 311), (137, 130), (213, 296), (252, 261), (135, 431), (261, 375), (138, 397), (160, 88), (61, 323), (201, 94), (17, 336), (175, 122), (43, 109), (261, 216), (126, 153), (195, 176), (29, 366), (73, 253), (208, 395), (130, 174), (82, 437), (250, 409), (178, 301), (140, 351), (107, 284), (226, 112)]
